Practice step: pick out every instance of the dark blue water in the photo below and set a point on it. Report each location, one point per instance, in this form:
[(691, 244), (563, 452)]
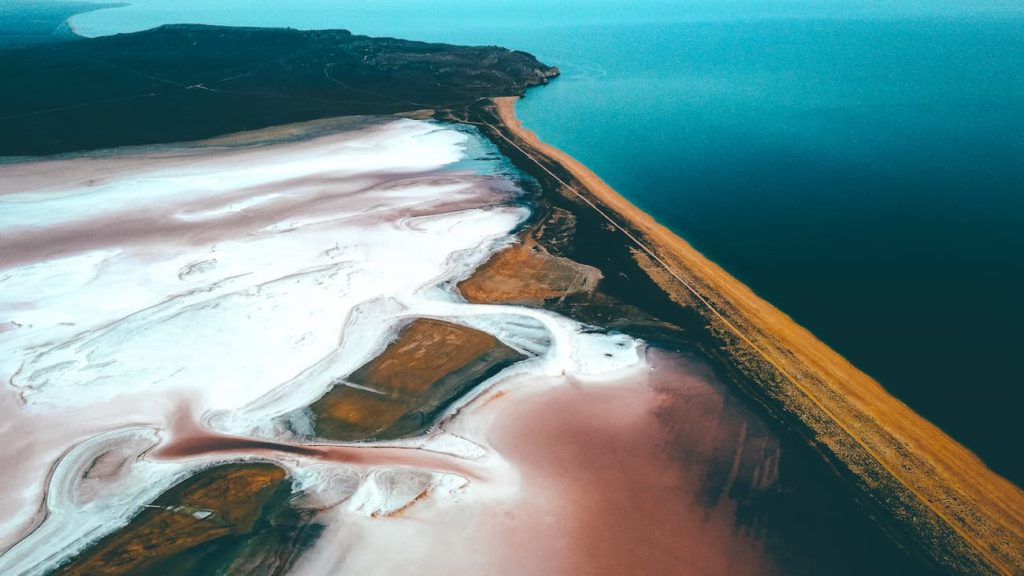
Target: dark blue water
[(859, 164)]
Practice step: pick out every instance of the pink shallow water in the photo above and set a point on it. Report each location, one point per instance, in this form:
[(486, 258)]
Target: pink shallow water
[(632, 474), (188, 439), (642, 476)]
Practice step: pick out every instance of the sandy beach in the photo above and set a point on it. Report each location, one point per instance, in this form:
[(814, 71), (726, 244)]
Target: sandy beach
[(967, 517)]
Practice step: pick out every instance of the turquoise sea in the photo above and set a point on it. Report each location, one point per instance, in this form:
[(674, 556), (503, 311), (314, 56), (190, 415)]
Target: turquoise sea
[(860, 164)]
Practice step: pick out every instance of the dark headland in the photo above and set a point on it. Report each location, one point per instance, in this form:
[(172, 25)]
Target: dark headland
[(186, 82), (931, 497)]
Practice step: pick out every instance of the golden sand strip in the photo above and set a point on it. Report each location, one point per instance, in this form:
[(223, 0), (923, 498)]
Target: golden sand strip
[(968, 518)]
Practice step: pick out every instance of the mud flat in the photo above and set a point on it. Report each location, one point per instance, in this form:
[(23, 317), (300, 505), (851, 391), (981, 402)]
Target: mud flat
[(368, 339), (937, 493), (526, 273), (402, 391), (232, 518)]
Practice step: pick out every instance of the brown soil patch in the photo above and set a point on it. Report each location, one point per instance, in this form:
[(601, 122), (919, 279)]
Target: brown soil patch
[(428, 366), (222, 501), (967, 517), (527, 274)]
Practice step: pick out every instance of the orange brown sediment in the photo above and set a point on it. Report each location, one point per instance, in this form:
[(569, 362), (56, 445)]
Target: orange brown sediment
[(527, 274), (216, 503), (355, 412), (400, 392), (966, 517)]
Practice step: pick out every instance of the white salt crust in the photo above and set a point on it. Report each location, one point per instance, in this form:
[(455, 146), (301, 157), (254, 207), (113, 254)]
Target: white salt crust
[(246, 283)]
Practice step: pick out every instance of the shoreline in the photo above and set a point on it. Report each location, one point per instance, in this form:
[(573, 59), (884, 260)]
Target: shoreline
[(98, 6), (564, 283), (965, 516)]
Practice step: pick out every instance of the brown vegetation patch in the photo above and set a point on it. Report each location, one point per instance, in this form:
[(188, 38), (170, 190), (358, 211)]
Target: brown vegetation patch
[(428, 366)]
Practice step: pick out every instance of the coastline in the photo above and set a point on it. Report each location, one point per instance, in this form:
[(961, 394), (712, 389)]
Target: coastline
[(588, 254), (98, 5), (547, 267), (966, 517)]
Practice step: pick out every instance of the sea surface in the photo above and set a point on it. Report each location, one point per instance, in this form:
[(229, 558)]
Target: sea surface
[(859, 164), (25, 22)]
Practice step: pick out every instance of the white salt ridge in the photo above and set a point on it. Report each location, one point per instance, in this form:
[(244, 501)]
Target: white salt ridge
[(388, 490), (89, 497), (261, 279)]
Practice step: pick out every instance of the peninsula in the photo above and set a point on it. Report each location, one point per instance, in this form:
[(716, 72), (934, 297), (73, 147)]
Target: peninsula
[(185, 82)]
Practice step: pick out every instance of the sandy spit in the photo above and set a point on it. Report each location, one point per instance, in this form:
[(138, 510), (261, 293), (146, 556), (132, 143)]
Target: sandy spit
[(969, 518)]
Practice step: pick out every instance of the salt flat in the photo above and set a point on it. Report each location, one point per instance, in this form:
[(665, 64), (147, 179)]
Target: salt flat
[(228, 286)]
